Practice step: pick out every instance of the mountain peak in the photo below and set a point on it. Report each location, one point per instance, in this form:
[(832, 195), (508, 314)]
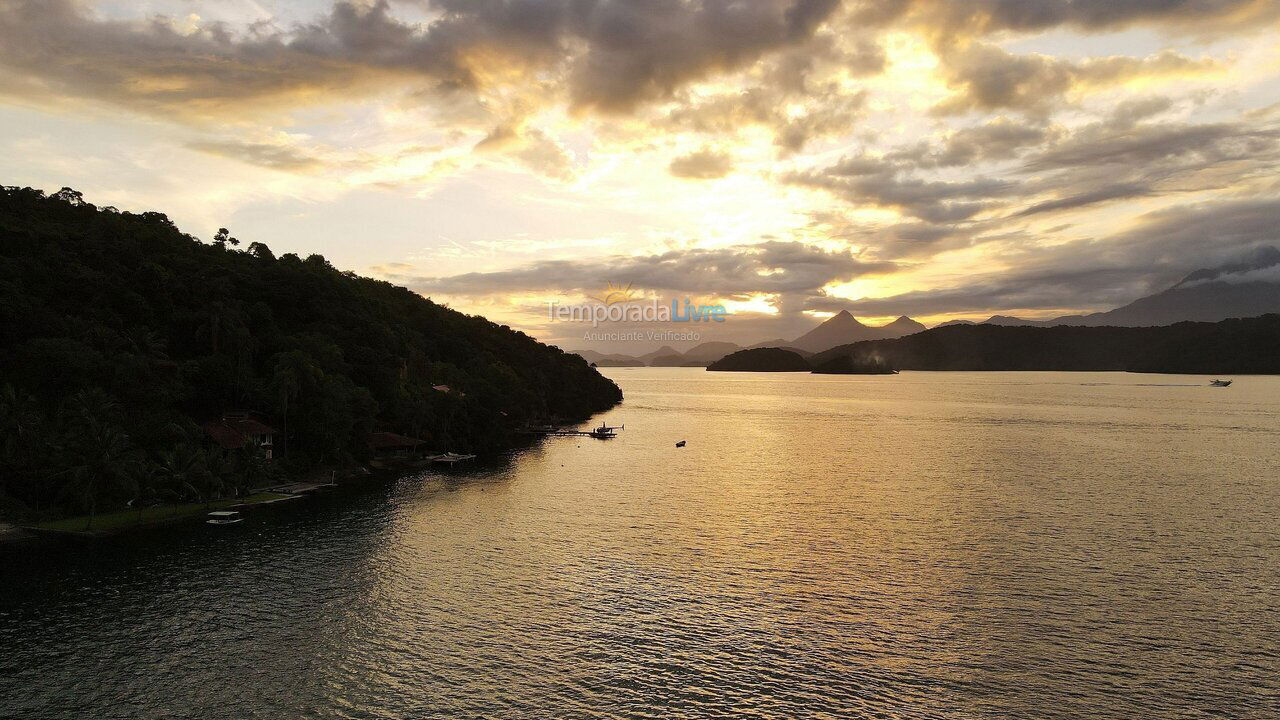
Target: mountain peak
[(904, 326), (843, 328), (843, 318)]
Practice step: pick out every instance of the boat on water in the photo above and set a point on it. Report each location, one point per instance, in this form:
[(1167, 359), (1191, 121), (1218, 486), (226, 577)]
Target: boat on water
[(1220, 383), (680, 444), (224, 517), (604, 432)]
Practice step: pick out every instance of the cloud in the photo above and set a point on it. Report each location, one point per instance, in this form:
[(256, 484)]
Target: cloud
[(869, 181), (1263, 265), (740, 271), (644, 51), (1116, 160), (835, 113), (702, 165), (263, 154), (952, 20), (914, 240), (985, 77), (998, 139), (607, 56), (532, 148), (1100, 145), (1116, 191), (1160, 249)]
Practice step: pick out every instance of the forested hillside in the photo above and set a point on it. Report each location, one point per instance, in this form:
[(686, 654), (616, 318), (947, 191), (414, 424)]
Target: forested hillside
[(1237, 346), (120, 335)]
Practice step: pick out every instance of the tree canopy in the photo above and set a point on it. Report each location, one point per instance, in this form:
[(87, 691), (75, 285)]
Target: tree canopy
[(119, 335)]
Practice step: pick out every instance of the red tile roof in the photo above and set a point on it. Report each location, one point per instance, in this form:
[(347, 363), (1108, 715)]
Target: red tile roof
[(234, 432)]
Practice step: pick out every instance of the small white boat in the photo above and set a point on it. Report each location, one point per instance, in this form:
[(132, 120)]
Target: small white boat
[(451, 458), (224, 517), (1220, 383)]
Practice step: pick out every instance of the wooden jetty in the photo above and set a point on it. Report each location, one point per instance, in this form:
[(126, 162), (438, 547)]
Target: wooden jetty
[(604, 432)]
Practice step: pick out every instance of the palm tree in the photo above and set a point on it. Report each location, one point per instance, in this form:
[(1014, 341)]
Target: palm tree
[(293, 371), (181, 470), (19, 423), (109, 463)]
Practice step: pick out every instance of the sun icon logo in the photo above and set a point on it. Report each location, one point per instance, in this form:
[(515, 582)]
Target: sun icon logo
[(614, 294)]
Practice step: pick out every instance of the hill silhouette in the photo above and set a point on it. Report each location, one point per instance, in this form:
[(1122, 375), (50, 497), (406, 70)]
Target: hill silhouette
[(120, 335), (1247, 287), (843, 328), (761, 360), (1236, 346)]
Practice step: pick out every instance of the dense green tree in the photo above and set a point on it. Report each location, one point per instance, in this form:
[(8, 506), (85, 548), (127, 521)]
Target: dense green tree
[(120, 335)]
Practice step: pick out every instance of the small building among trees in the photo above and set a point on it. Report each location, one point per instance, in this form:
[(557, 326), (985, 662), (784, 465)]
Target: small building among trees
[(389, 444), (238, 429)]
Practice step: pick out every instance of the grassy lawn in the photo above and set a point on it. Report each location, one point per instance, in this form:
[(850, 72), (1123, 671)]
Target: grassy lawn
[(125, 519)]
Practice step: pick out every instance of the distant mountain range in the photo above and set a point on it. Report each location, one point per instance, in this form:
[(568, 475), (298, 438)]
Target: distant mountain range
[(1246, 288), (1228, 347), (840, 329), (844, 328)]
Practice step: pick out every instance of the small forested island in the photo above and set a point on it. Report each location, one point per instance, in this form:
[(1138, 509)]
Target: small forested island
[(140, 366), (854, 365), (761, 360)]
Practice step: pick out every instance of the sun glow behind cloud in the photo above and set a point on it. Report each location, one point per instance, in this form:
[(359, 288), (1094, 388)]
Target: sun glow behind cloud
[(917, 153)]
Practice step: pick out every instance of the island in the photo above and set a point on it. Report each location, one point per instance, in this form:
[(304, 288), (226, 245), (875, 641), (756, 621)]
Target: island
[(143, 368), (850, 365), (761, 360)]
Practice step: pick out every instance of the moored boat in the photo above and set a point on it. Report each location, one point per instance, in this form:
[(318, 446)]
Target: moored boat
[(451, 458), (224, 517), (604, 432), (1220, 383)]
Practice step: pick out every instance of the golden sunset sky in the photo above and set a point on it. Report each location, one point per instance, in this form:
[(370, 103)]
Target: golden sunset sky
[(788, 158)]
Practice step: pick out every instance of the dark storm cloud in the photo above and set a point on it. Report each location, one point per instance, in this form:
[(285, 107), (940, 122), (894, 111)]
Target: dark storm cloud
[(738, 272), (612, 54)]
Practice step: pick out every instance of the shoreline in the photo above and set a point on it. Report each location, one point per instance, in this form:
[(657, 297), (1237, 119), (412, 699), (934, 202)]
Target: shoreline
[(125, 521)]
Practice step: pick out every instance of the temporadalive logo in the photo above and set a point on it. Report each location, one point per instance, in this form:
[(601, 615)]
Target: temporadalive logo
[(620, 303)]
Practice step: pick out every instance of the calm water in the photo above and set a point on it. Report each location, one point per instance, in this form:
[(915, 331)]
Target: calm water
[(931, 545)]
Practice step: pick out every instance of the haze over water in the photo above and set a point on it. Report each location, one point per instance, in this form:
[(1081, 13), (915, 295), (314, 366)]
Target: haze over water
[(928, 545)]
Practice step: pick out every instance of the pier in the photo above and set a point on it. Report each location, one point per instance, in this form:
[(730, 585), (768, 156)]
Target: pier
[(604, 432)]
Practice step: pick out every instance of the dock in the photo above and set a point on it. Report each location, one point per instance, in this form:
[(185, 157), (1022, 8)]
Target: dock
[(604, 432), (557, 433), (302, 488)]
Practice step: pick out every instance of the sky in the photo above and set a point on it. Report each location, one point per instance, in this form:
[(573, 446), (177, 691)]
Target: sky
[(787, 159)]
